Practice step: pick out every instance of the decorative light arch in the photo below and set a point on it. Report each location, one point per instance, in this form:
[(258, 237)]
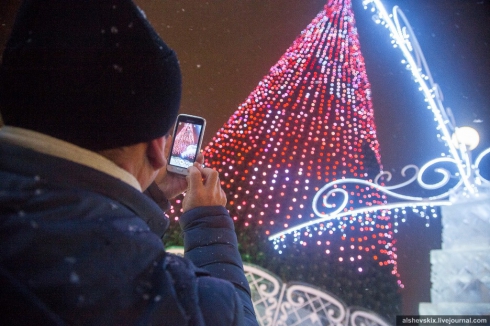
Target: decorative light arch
[(467, 173)]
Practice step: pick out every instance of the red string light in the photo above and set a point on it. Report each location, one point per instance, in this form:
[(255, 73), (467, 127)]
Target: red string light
[(308, 122)]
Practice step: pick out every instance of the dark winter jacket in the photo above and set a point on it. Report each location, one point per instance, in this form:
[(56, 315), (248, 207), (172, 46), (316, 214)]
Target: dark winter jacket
[(80, 247)]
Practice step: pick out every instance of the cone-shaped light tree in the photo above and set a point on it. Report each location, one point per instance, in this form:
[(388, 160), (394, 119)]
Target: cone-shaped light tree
[(184, 138), (308, 122)]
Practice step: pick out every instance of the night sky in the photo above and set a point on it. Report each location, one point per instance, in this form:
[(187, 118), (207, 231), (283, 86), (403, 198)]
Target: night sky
[(226, 47)]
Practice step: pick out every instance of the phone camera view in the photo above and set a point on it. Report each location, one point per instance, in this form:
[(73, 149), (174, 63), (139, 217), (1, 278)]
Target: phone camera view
[(185, 144)]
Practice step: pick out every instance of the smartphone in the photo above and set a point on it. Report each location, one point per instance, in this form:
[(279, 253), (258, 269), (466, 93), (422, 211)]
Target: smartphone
[(186, 143)]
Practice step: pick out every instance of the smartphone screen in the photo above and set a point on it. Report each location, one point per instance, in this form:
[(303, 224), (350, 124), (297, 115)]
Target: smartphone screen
[(186, 143)]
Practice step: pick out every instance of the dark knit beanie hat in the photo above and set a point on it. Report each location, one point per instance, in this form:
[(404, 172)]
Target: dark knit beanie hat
[(91, 72)]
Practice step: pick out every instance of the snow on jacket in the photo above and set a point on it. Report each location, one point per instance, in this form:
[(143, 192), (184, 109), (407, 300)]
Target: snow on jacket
[(80, 247)]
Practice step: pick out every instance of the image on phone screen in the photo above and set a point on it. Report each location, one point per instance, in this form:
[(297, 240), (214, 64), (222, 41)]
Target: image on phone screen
[(185, 144)]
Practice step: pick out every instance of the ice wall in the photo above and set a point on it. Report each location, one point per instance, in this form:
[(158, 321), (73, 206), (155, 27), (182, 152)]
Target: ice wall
[(460, 273)]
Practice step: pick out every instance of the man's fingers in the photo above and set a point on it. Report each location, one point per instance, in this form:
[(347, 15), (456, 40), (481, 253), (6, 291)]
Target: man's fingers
[(204, 188), (194, 177), (210, 176), (198, 165), (223, 197)]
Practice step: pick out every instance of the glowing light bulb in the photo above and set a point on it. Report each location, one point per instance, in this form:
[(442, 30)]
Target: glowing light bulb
[(466, 136)]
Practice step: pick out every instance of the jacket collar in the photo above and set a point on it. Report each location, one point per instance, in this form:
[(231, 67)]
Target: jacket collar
[(56, 147)]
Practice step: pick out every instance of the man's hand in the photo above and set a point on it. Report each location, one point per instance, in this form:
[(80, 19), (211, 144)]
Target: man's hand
[(172, 184), (204, 188)]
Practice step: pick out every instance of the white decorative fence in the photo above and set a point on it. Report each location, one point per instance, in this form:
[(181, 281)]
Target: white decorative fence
[(294, 303)]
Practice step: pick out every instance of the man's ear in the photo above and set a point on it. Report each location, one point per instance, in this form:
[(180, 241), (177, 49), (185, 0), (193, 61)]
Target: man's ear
[(168, 145), (156, 152)]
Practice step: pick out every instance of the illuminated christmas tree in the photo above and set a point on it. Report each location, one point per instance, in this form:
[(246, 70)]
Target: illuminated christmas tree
[(308, 122), (184, 138)]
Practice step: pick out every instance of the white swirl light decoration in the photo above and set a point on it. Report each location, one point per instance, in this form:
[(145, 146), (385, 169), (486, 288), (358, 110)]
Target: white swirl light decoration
[(442, 199), (403, 37), (316, 306), (364, 210), (445, 173), (468, 175), (332, 188), (478, 160), (387, 175)]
